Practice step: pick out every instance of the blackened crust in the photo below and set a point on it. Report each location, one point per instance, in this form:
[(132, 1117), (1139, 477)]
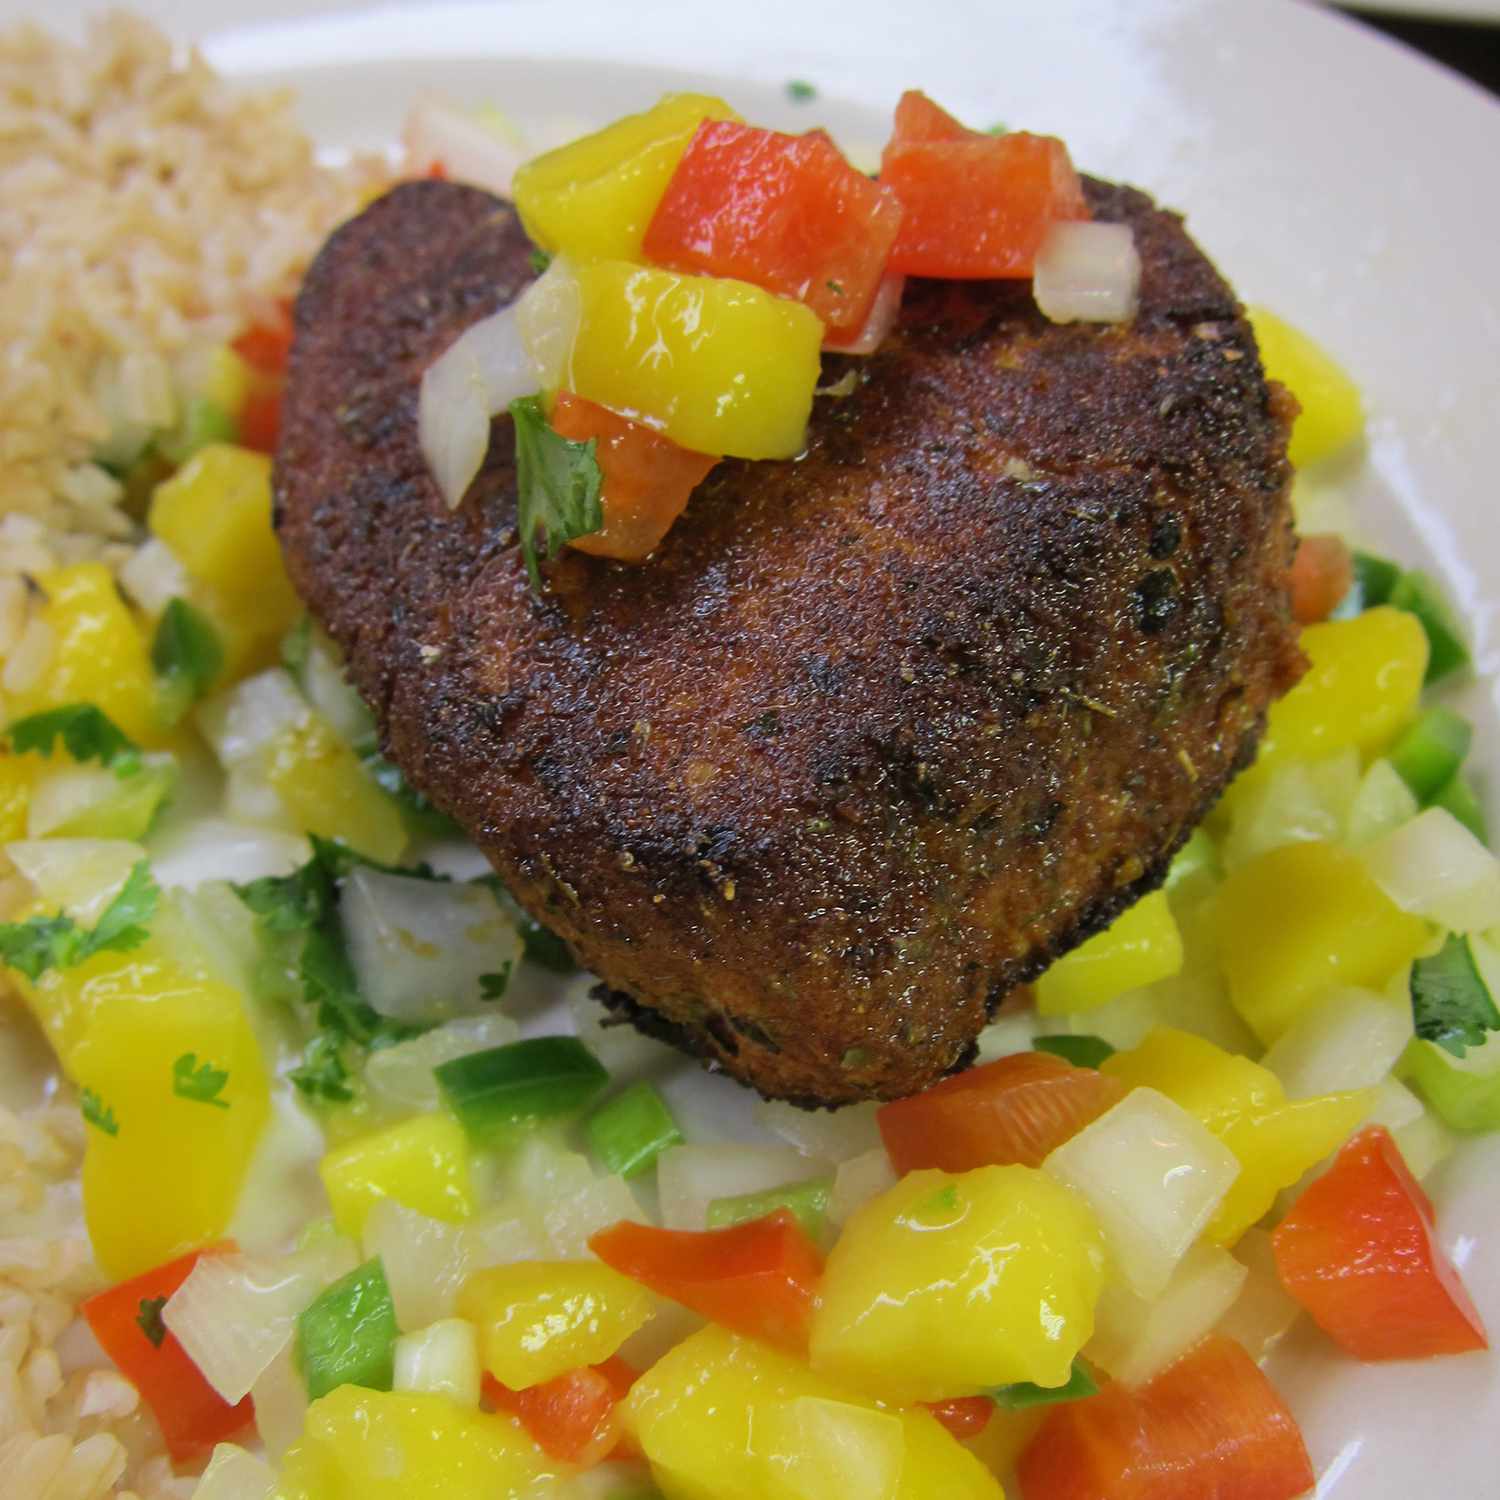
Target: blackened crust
[(877, 732)]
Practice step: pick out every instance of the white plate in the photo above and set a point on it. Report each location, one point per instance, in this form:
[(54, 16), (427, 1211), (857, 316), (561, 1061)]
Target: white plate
[(1331, 174)]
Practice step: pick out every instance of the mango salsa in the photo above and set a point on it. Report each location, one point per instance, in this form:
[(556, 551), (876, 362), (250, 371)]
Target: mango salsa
[(18, 775), (950, 1282), (1139, 947), (422, 1162), (358, 1444), (725, 1418), (1300, 920), (1331, 417), (593, 198)]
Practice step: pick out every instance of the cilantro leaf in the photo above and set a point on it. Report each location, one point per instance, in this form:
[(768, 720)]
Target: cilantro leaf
[(202, 1083), (87, 733), (557, 486), (494, 986), (1450, 1002), (323, 1073), (41, 943), (1082, 1051), (98, 1114), (296, 644), (799, 91), (187, 656), (149, 1319), (1023, 1393), (540, 260)]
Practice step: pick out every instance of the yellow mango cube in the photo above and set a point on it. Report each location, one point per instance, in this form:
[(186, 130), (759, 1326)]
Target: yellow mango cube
[(594, 198), (950, 1282), (1301, 920), (722, 1417), (717, 365), (18, 774), (1139, 947), (326, 791), (422, 1163), (1244, 1104), (99, 654), (1331, 417), (359, 1444), (539, 1319)]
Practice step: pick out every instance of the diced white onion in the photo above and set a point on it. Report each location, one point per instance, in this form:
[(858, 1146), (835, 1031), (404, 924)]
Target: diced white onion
[(857, 1181), (400, 1080), (474, 379), (240, 724), (1349, 1040), (624, 1050), (1012, 1032), (827, 1135), (1263, 1311), (548, 314), (567, 1198), (465, 146), (235, 1474), (1423, 1140), (201, 850), (689, 1178), (442, 1358), (280, 1400), (1087, 273), (572, 1221), (82, 876), (425, 1260), (1383, 803), (419, 946), (153, 576), (1154, 1177), (235, 1313), (1434, 867), (327, 687), (503, 1235), (1301, 803), (878, 323), (1134, 1338)]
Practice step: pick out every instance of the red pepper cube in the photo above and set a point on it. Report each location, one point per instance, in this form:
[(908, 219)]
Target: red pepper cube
[(784, 212), (572, 1417), (977, 206), (193, 1416), (1359, 1251), (1209, 1425)]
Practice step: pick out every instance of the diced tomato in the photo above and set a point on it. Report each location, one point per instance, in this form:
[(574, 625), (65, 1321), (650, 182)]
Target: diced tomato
[(976, 206), (1322, 574), (572, 1418), (267, 343), (1210, 1425), (1359, 1251), (648, 479), (193, 1416), (260, 417), (437, 171), (1015, 1110), (964, 1416), (758, 1278), (784, 212)]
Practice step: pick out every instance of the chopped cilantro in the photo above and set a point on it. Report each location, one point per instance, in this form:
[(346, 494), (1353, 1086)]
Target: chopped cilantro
[(540, 260), (187, 656), (1450, 1002), (87, 733), (98, 1114), (542, 946), (494, 986), (201, 1083), (42, 943), (295, 646), (149, 1319), (800, 91), (1081, 1051), (557, 486), (1023, 1393), (998, 128)]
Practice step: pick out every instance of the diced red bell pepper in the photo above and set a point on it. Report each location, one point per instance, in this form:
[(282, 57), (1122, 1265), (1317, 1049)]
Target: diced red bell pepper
[(1209, 1427), (964, 1416), (785, 212), (1322, 574), (884, 314), (573, 1418), (266, 345), (648, 479), (193, 1416), (975, 205), (1015, 1110), (260, 417), (1359, 1251), (759, 1278)]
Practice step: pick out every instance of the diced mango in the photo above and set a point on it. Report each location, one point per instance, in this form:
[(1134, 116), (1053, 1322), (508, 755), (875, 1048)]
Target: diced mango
[(99, 654), (718, 366), (950, 1282), (1139, 947), (593, 198), (1300, 920), (18, 775), (724, 1418), (1244, 1104), (422, 1162), (359, 1444), (1331, 417), (539, 1319), (215, 515), (326, 791)]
